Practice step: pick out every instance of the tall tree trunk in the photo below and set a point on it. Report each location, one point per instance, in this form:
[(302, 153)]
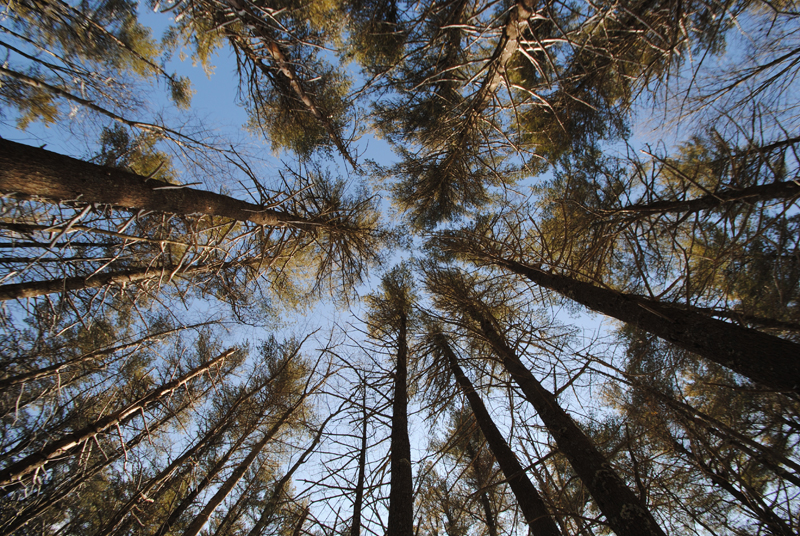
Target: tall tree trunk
[(52, 370), (220, 428), (355, 526), (787, 190), (401, 500), (43, 504), (41, 174), (217, 468), (528, 498), (763, 358), (225, 489), (623, 510), (272, 503), (69, 443)]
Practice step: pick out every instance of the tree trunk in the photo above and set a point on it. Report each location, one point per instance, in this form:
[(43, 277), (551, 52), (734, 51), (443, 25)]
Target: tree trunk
[(401, 500), (764, 358), (355, 526), (69, 443), (528, 498), (622, 509), (222, 425), (787, 190), (219, 465), (269, 509), (30, 512), (225, 489), (41, 174)]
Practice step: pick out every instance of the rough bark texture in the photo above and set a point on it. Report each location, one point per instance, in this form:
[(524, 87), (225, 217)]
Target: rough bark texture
[(71, 442), (624, 512), (766, 359), (401, 500), (33, 172), (528, 498), (751, 194)]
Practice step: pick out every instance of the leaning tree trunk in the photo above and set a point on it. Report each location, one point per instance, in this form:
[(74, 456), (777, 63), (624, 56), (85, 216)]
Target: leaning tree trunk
[(218, 466), (766, 359), (401, 493), (225, 489), (272, 502), (624, 512), (528, 498), (40, 174), (31, 512), (66, 445), (786, 190)]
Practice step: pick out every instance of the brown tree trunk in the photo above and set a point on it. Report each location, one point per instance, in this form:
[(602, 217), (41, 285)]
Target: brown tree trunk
[(30, 512), (225, 489), (401, 493), (764, 358), (269, 509), (219, 465), (355, 526), (222, 425), (71, 442), (752, 194), (528, 498), (41, 174), (624, 512)]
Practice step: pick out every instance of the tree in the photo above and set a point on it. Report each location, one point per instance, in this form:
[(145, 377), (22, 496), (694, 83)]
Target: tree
[(391, 315), (528, 498), (623, 510)]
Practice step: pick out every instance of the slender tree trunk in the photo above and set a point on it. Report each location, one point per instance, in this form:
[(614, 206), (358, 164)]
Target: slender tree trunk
[(355, 527), (54, 499), (401, 500), (777, 526), (528, 498), (787, 190), (52, 370), (272, 503), (69, 443), (764, 454), (225, 489), (220, 428), (219, 465), (41, 174), (764, 358), (623, 510)]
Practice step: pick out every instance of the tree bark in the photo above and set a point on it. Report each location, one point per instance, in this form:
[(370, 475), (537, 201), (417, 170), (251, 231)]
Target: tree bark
[(401, 500), (41, 174), (623, 510), (69, 443), (355, 526), (269, 510), (752, 194), (528, 498), (766, 359), (202, 518)]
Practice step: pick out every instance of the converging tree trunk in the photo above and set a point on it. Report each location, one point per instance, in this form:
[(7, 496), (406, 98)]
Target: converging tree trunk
[(66, 445), (528, 498), (766, 359), (41, 174), (623, 510)]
